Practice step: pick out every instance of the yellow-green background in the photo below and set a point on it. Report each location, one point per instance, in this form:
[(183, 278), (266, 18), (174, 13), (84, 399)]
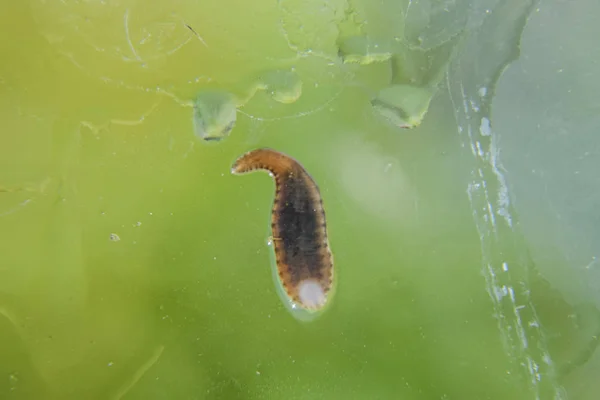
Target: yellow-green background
[(95, 140)]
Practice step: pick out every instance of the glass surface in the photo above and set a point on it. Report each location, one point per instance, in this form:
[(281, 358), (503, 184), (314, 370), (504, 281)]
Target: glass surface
[(455, 145)]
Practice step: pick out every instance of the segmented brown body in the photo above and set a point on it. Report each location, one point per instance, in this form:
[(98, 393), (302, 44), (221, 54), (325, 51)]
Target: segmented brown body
[(302, 251)]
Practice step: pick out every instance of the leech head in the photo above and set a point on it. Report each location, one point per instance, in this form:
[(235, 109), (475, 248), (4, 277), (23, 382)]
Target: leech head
[(265, 159)]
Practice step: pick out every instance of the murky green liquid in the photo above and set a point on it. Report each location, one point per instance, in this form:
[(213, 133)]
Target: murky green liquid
[(134, 266)]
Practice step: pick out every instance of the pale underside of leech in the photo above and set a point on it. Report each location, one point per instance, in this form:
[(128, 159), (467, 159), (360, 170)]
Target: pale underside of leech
[(304, 260)]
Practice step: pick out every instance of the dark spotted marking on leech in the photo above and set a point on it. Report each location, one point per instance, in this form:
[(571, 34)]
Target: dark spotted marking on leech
[(304, 260)]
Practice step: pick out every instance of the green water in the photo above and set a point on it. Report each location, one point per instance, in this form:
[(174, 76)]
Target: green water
[(133, 265)]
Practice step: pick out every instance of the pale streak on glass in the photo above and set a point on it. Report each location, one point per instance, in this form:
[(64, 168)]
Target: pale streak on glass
[(140, 373), (34, 190), (16, 208), (97, 128), (471, 92), (10, 317), (128, 36)]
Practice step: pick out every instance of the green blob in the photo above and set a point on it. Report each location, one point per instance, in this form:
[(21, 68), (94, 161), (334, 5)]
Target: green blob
[(215, 114), (215, 110), (403, 105), (284, 86), (416, 74)]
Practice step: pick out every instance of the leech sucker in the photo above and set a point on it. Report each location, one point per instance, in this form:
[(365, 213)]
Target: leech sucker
[(299, 230)]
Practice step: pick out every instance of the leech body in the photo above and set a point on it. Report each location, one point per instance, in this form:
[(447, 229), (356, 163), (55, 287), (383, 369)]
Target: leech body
[(299, 230)]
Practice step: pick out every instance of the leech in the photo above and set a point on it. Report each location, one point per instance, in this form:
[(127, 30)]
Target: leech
[(299, 230)]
